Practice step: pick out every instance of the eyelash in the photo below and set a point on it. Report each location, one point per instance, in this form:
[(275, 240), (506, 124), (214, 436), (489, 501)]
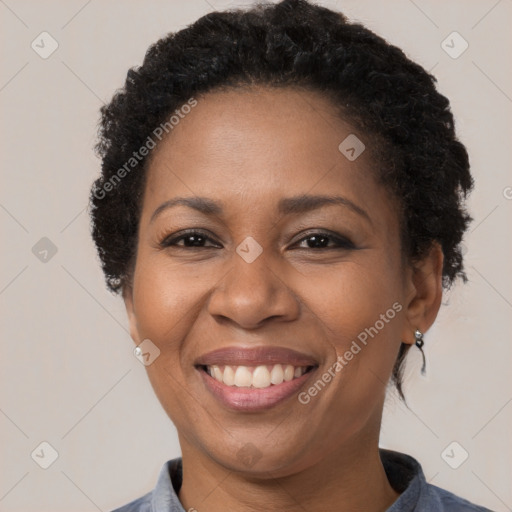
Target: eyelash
[(342, 242)]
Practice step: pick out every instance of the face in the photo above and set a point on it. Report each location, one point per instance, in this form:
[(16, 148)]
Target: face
[(264, 274)]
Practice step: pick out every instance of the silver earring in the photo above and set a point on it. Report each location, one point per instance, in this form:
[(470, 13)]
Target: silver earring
[(418, 341), (418, 338)]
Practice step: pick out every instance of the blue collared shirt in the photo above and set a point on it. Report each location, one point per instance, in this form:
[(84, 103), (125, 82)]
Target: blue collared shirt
[(404, 474)]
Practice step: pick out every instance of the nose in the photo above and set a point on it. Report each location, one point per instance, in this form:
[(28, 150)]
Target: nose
[(251, 294)]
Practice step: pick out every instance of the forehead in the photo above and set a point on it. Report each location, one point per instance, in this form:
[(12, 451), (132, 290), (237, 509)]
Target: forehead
[(257, 145)]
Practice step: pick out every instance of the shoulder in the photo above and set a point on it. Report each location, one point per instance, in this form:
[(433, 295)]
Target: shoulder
[(450, 502), (142, 504), (416, 494), (164, 495)]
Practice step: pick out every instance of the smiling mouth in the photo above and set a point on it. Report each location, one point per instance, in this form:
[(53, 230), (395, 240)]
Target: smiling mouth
[(252, 380), (257, 377)]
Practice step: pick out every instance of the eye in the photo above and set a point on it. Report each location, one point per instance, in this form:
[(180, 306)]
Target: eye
[(321, 240), (192, 238), (196, 239)]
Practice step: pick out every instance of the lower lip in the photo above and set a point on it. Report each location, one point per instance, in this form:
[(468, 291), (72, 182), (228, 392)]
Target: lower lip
[(253, 399)]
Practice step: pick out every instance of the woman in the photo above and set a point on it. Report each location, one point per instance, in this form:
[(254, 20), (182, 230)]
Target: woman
[(280, 205)]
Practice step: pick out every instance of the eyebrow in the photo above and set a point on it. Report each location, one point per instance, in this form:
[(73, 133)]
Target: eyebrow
[(286, 206)]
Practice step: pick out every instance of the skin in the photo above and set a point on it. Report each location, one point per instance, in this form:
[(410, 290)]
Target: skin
[(248, 149)]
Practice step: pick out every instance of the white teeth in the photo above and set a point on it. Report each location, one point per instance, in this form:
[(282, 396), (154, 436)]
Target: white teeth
[(217, 374), (261, 377), (229, 376), (258, 377), (243, 377), (277, 375), (288, 373)]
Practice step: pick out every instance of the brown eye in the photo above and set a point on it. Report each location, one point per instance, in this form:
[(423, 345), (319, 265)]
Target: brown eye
[(191, 239), (320, 240)]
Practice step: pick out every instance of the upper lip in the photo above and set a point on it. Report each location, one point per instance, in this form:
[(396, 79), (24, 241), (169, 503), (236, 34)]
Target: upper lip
[(242, 356)]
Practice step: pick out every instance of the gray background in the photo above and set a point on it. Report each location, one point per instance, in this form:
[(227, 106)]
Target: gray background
[(68, 373)]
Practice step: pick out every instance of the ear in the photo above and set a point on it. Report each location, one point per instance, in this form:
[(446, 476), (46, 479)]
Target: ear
[(424, 293), (130, 310)]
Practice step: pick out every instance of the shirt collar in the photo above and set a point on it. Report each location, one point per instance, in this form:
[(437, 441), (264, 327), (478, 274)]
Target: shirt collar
[(165, 494), (404, 474), (406, 477)]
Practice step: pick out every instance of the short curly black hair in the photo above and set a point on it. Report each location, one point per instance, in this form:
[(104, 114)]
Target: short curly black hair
[(294, 43)]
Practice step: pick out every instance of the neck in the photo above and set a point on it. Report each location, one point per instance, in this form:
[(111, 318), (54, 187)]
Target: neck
[(349, 478)]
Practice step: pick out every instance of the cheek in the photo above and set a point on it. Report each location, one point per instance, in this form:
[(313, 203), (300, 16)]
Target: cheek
[(342, 300), (166, 306), (359, 311), (165, 298), (166, 302), (354, 297)]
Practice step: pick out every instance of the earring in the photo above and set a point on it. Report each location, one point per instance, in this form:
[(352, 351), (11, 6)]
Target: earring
[(418, 341)]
